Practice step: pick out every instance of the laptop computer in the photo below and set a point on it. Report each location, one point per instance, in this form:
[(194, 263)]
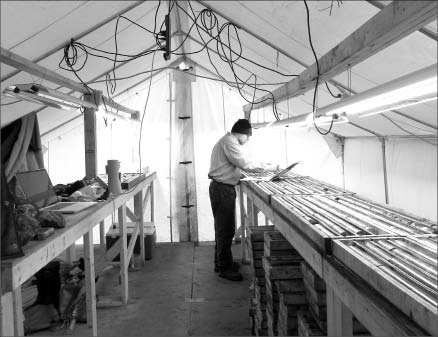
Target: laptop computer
[(38, 190), (277, 176)]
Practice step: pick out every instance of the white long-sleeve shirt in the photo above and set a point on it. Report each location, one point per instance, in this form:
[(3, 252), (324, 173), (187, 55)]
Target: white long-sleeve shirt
[(227, 159)]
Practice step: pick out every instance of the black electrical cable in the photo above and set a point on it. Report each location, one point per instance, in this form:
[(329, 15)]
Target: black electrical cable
[(333, 95), (317, 76), (224, 56)]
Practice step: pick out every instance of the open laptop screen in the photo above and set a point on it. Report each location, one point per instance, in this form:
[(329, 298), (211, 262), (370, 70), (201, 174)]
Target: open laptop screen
[(37, 187)]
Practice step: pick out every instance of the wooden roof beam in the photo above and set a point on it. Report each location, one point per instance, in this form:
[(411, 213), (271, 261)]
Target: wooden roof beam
[(391, 24), (24, 64), (426, 31), (79, 36)]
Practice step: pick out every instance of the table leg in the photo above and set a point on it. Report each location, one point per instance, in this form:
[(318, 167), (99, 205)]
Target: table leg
[(102, 236), (90, 282), (18, 312), (123, 253), (139, 214)]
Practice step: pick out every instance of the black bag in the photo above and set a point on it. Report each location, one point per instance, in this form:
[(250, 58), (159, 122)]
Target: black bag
[(10, 245), (49, 284)]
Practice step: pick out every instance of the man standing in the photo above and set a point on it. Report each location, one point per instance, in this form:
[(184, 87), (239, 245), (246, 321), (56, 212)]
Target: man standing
[(227, 159)]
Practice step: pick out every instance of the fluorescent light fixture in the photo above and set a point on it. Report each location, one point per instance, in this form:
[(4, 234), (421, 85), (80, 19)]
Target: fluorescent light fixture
[(303, 121), (414, 88), (37, 93)]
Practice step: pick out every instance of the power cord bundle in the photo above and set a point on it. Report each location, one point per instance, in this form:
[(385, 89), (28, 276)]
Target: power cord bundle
[(317, 78)]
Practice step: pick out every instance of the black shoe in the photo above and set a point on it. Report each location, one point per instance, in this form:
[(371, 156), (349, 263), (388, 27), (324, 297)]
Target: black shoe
[(231, 275), (234, 266)]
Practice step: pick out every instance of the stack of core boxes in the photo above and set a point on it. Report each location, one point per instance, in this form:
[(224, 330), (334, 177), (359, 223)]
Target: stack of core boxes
[(257, 311), (281, 262)]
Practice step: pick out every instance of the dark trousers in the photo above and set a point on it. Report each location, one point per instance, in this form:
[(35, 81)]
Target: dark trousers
[(223, 204)]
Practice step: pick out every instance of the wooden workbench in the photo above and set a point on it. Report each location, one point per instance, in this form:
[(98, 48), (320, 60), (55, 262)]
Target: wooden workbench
[(38, 253), (347, 293)]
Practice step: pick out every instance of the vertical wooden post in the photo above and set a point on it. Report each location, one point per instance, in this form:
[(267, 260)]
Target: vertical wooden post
[(243, 226), (250, 212), (18, 312), (90, 136), (255, 213), (89, 281), (185, 187), (123, 253), (152, 198), (102, 236), (339, 317), (7, 315), (139, 215), (266, 221)]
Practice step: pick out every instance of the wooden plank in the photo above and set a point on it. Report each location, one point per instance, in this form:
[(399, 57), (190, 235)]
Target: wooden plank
[(113, 251), (250, 211), (7, 315), (123, 256), (18, 312), (130, 214), (152, 191), (23, 64), (39, 253), (339, 317), (394, 22), (147, 196), (376, 313), (89, 281), (102, 235), (139, 214), (90, 139), (185, 188), (306, 249), (244, 247), (406, 300), (132, 240)]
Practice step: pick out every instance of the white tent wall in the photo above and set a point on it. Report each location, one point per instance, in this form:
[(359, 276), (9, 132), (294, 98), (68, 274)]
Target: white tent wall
[(411, 170)]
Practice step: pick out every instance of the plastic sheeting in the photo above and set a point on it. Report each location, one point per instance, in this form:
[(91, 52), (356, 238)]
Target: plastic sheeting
[(411, 170)]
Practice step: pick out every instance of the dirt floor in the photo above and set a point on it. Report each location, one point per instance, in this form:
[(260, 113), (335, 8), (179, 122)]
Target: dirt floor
[(175, 294)]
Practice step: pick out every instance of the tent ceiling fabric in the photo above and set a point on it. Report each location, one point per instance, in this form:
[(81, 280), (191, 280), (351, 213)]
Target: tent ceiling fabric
[(48, 24)]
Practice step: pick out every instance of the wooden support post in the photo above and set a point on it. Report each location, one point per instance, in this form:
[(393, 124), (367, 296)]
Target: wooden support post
[(152, 202), (186, 218), (250, 211), (18, 312), (7, 315), (339, 317), (90, 137), (243, 226), (255, 213), (123, 253), (102, 235), (89, 282), (139, 214), (266, 220)]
